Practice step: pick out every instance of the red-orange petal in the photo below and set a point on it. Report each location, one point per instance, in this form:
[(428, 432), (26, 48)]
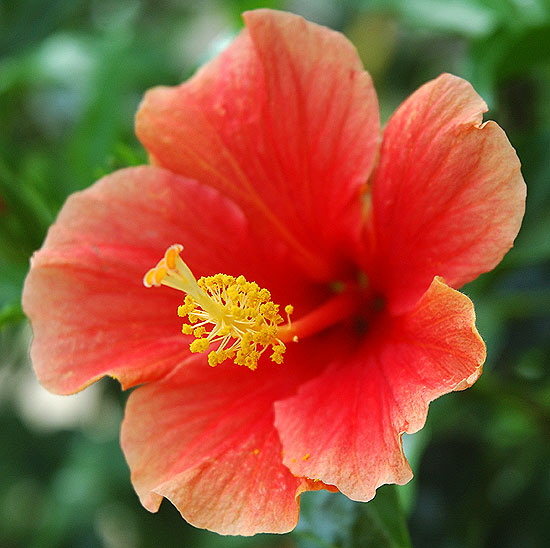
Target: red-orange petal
[(345, 426), (448, 195), (204, 439), (285, 122), (90, 313)]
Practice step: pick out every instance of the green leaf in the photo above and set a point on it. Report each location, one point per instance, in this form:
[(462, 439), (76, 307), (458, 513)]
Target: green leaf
[(12, 313), (25, 217), (463, 17), (330, 520)]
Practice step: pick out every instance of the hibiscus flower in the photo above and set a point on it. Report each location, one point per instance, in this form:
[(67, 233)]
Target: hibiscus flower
[(269, 169)]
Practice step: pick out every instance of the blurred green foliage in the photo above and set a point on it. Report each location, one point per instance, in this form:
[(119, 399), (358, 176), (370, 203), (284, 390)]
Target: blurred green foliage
[(72, 73)]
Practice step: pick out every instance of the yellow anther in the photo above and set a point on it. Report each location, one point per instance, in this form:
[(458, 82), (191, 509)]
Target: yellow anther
[(199, 331), (233, 313), (199, 345), (278, 351)]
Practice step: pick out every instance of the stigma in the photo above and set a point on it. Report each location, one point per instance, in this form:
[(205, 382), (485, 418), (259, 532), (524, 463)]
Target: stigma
[(230, 317)]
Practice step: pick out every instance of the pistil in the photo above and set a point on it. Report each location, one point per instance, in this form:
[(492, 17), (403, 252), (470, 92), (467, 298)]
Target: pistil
[(333, 311), (232, 318), (236, 315)]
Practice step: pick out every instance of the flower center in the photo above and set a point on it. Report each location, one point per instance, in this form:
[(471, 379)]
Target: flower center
[(233, 313), (239, 316)]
